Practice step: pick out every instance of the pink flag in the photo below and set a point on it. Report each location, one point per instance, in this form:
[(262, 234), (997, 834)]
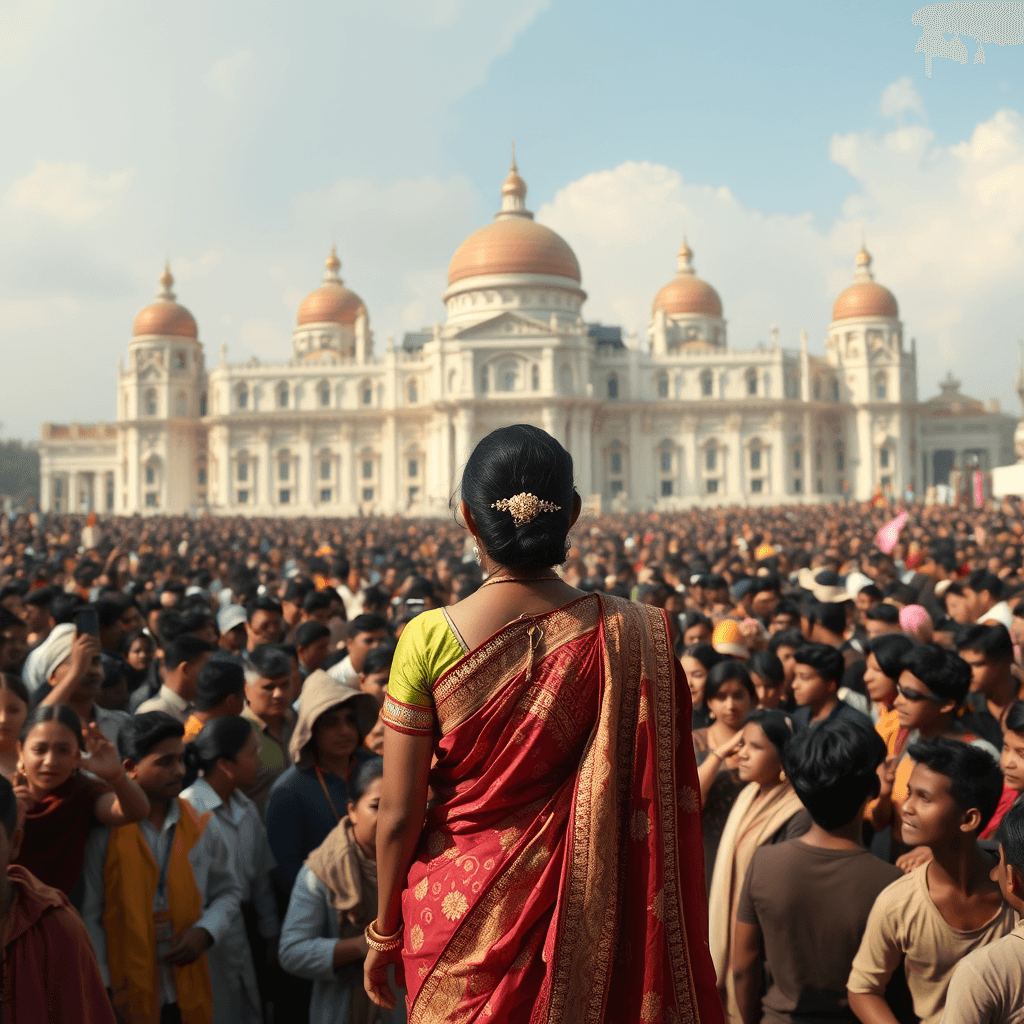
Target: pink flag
[(889, 534), (979, 489)]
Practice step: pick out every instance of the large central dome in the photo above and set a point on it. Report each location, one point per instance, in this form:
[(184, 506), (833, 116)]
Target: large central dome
[(332, 302), (165, 316), (865, 297), (514, 243)]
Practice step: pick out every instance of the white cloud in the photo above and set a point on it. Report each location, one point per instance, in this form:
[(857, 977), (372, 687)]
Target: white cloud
[(945, 224), (901, 98), (232, 73), (68, 191)]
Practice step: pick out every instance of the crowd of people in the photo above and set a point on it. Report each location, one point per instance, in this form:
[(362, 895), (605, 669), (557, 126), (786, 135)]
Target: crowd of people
[(191, 740)]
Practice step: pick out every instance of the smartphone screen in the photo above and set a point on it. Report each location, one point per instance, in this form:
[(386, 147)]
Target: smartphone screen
[(87, 622)]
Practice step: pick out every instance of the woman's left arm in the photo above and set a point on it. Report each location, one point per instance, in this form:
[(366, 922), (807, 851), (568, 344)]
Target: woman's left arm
[(403, 804)]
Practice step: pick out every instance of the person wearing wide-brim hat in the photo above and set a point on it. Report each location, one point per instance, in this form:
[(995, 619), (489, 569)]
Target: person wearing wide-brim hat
[(311, 797)]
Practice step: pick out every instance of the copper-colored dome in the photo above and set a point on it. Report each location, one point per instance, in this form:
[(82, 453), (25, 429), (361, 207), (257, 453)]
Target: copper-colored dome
[(865, 297), (165, 316), (332, 302), (687, 293), (513, 245)]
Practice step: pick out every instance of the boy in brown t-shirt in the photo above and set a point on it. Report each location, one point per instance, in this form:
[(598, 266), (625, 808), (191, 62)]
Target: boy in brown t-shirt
[(805, 902), (931, 918)]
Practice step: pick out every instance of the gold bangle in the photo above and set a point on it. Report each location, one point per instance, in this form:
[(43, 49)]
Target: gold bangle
[(383, 943)]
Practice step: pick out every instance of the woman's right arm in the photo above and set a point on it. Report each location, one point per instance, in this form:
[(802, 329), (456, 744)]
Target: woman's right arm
[(713, 763), (403, 804)]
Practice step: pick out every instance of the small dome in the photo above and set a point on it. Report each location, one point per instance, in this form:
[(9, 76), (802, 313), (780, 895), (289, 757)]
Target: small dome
[(686, 292), (165, 316), (865, 297), (332, 302), (514, 243)]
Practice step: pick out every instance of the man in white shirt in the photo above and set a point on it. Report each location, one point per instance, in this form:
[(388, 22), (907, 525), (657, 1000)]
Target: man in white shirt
[(984, 591), (184, 659)]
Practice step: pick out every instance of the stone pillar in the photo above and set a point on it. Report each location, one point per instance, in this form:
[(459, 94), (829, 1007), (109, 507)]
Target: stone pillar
[(463, 436), (638, 464), (264, 467), (46, 490)]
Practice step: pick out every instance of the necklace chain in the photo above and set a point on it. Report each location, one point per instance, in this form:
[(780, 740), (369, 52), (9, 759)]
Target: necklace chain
[(519, 579)]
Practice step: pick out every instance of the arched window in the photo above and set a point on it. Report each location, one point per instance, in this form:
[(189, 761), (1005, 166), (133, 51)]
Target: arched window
[(613, 386), (181, 404), (367, 393), (508, 377), (817, 387), (835, 391), (413, 392), (881, 387), (202, 404), (751, 382), (711, 457), (663, 385), (484, 381), (707, 384), (883, 458), (756, 457), (535, 378), (242, 397), (282, 397), (325, 395), (150, 403)]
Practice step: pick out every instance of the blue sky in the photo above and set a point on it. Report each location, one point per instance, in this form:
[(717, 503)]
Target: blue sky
[(240, 139)]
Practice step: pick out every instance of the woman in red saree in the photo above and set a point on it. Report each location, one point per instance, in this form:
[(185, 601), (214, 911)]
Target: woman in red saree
[(559, 874)]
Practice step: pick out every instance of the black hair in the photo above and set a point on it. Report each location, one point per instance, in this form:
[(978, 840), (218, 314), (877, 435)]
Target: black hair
[(297, 589), (316, 600), (786, 607), (221, 677), (268, 661), (975, 779), (767, 665), (872, 591), (902, 593), (1011, 835), (64, 606), (786, 638), (54, 713), (775, 724), (340, 568), (309, 632), (9, 620), (126, 644), (16, 686), (704, 653), (834, 768), (114, 670), (108, 610), (889, 651), (366, 623), (41, 596), (1014, 720), (946, 674), (378, 658), (141, 733), (981, 580), (8, 807), (197, 618), (219, 737), (694, 618), (882, 612), (828, 615), (514, 460), (726, 671), (992, 641), (366, 772), (826, 661), (186, 648), (264, 604)]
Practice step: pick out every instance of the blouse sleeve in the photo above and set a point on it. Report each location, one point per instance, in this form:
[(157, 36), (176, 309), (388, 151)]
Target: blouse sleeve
[(426, 649)]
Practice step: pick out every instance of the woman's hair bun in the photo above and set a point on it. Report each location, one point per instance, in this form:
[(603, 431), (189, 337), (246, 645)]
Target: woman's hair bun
[(520, 459)]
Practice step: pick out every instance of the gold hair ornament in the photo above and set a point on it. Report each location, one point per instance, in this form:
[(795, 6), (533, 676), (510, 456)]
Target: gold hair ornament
[(525, 507)]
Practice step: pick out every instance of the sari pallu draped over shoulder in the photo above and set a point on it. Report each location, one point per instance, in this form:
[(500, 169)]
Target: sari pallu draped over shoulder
[(560, 874)]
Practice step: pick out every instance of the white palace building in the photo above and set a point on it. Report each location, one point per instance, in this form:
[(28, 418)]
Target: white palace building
[(680, 420)]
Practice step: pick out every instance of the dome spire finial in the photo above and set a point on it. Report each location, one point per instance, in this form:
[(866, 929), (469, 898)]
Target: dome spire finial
[(863, 261), (331, 267), (166, 281), (513, 191), (685, 258)]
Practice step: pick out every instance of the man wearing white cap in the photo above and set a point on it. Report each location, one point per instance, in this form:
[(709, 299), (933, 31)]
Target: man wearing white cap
[(231, 621)]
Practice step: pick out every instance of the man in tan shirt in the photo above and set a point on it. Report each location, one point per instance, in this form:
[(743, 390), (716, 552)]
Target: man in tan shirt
[(933, 917), (988, 985)]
